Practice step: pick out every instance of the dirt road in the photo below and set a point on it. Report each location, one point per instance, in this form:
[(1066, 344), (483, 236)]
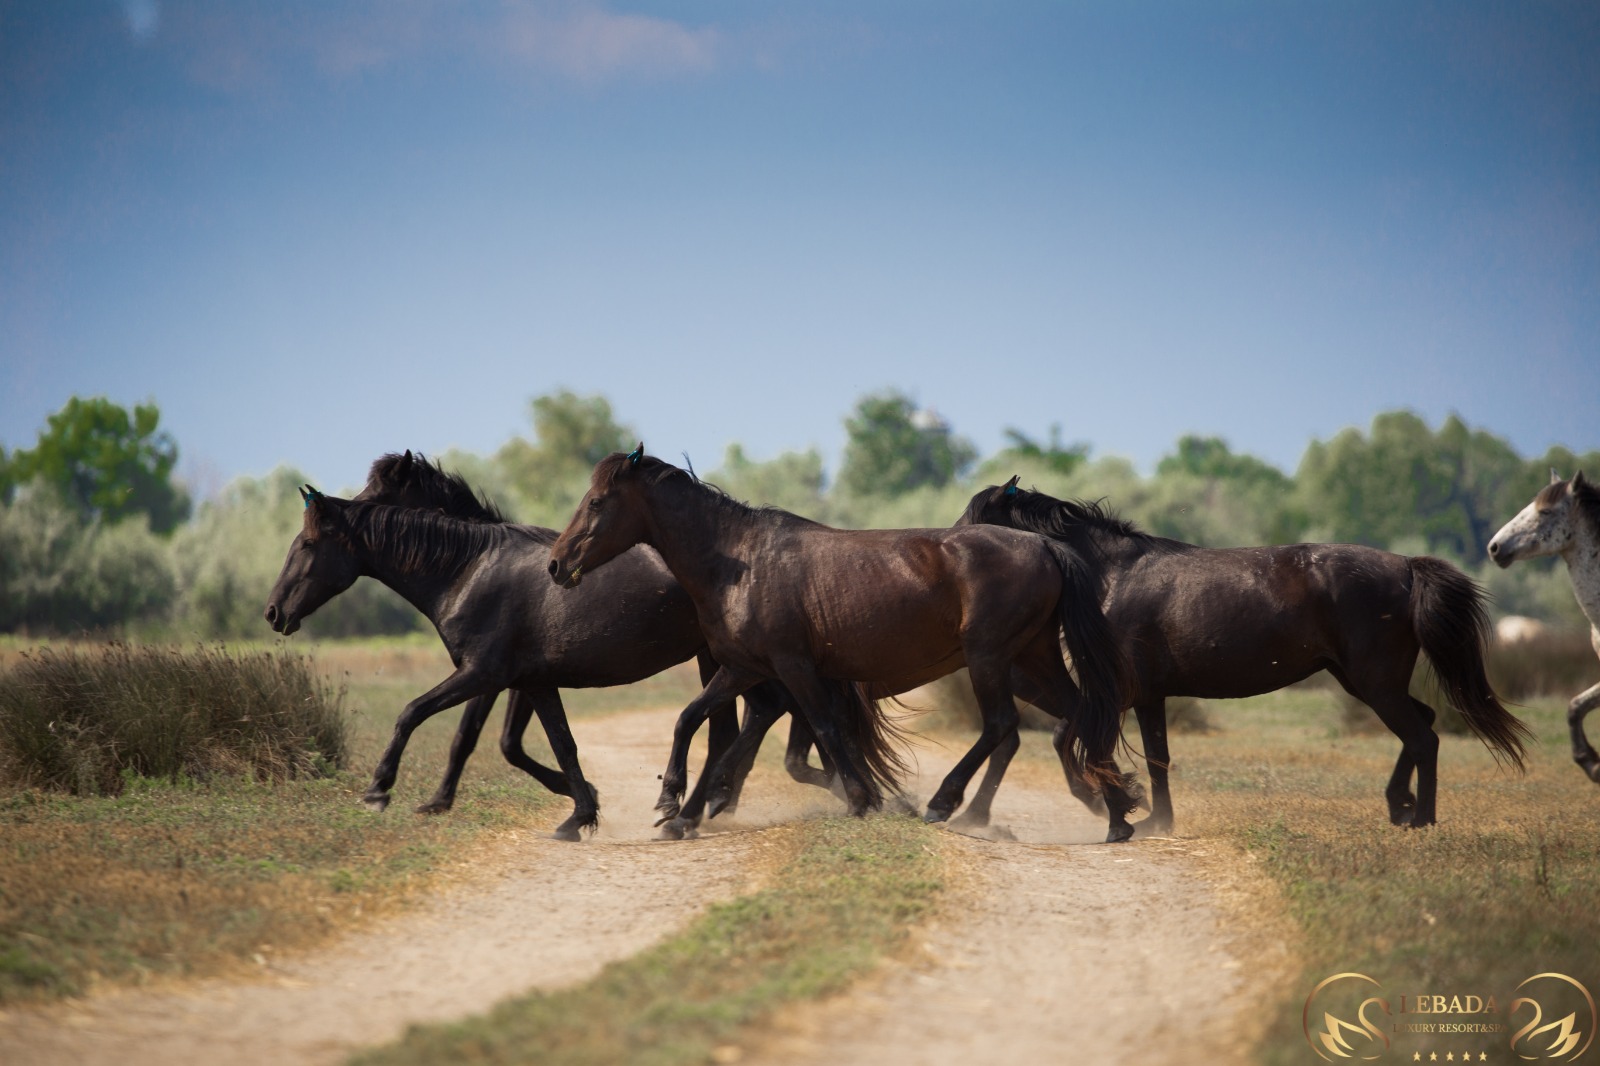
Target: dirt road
[(1041, 946)]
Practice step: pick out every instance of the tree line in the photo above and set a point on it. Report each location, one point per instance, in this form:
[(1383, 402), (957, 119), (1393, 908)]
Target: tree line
[(97, 535)]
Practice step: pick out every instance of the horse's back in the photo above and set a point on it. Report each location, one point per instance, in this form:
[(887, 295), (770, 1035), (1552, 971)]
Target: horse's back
[(1240, 621)]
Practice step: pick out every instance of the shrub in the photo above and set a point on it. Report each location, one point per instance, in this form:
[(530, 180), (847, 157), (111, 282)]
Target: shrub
[(88, 721), (1553, 664)]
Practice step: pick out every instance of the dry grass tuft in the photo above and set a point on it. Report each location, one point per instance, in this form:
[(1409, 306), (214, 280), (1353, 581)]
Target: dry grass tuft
[(86, 721)]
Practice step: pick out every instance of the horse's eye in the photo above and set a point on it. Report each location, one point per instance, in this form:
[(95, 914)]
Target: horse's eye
[(594, 503)]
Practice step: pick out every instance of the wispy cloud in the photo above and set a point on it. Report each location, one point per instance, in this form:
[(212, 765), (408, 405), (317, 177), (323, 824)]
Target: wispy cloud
[(235, 50), (591, 44)]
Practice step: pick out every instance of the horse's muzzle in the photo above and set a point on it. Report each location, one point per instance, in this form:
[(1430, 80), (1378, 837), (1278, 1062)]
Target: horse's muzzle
[(561, 576), (280, 622)]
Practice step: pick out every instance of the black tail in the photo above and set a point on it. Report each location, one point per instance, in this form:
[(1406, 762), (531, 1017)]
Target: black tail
[(1451, 624), (870, 733), (1103, 670)]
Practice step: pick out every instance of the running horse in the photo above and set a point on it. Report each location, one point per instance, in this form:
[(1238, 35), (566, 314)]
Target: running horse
[(1564, 520), (1222, 623), (783, 598), (481, 582)]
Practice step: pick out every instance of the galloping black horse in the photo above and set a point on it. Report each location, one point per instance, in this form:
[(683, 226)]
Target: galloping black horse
[(781, 597), (1231, 622), (482, 585), (407, 480)]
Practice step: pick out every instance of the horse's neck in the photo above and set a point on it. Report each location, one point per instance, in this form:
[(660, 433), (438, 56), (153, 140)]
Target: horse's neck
[(1118, 550), (694, 537), (1583, 565), (424, 588)]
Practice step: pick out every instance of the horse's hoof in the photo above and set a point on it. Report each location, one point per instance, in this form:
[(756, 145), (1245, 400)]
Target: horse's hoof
[(671, 829), (569, 833), (935, 815), (435, 807), (376, 801), (1119, 833), (1590, 765)]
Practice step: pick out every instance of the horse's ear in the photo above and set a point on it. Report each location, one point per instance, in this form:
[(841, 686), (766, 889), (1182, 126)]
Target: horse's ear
[(1579, 481), (405, 462), (1555, 478), (637, 454), (1011, 486), (310, 495)]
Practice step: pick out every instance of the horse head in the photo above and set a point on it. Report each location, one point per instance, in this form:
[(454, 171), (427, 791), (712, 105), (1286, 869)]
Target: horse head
[(321, 564), (610, 519), (1547, 526)]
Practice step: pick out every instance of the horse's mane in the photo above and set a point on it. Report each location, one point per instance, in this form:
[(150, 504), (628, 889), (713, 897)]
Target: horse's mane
[(418, 541), (1588, 497), (1078, 521), (446, 491), (654, 471)]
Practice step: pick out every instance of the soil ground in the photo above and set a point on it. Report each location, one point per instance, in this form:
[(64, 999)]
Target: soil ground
[(1047, 943)]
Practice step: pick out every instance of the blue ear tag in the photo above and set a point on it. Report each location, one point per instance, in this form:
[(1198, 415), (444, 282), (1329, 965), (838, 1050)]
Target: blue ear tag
[(633, 456), (1011, 490), (311, 494)]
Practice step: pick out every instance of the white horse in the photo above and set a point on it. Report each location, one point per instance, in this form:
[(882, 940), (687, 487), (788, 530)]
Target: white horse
[(1564, 520)]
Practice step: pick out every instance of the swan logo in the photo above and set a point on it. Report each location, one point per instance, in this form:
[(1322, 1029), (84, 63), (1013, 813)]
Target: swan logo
[(1352, 1032), (1563, 1020)]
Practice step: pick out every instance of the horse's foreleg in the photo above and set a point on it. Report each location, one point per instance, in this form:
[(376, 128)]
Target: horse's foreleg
[(724, 686), (1583, 752), (461, 685), (723, 732), (763, 706), (473, 716), (553, 717)]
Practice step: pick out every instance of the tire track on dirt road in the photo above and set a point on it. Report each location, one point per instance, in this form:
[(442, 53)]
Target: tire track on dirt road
[(1040, 948)]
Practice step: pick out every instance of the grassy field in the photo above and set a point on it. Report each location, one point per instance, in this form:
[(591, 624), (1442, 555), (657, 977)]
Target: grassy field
[(1505, 886), (195, 877), (199, 877)]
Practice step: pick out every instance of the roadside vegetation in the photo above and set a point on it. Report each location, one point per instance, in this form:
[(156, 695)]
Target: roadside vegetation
[(123, 859), (847, 894)]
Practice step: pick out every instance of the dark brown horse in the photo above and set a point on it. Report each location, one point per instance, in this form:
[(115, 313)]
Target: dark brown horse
[(407, 480), (780, 597), (482, 584), (1231, 622)]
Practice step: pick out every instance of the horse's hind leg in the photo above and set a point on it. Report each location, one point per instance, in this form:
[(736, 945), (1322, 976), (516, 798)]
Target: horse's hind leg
[(473, 716), (519, 711), (1583, 752), (585, 801), (991, 683), (1152, 715), (796, 756), (461, 685), (823, 706)]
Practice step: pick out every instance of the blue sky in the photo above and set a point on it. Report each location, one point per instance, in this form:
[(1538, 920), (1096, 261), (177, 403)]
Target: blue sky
[(315, 232)]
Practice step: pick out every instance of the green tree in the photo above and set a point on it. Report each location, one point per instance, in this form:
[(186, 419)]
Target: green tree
[(1054, 456), (792, 481), (62, 574), (1401, 482), (894, 448), (551, 473), (106, 463)]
